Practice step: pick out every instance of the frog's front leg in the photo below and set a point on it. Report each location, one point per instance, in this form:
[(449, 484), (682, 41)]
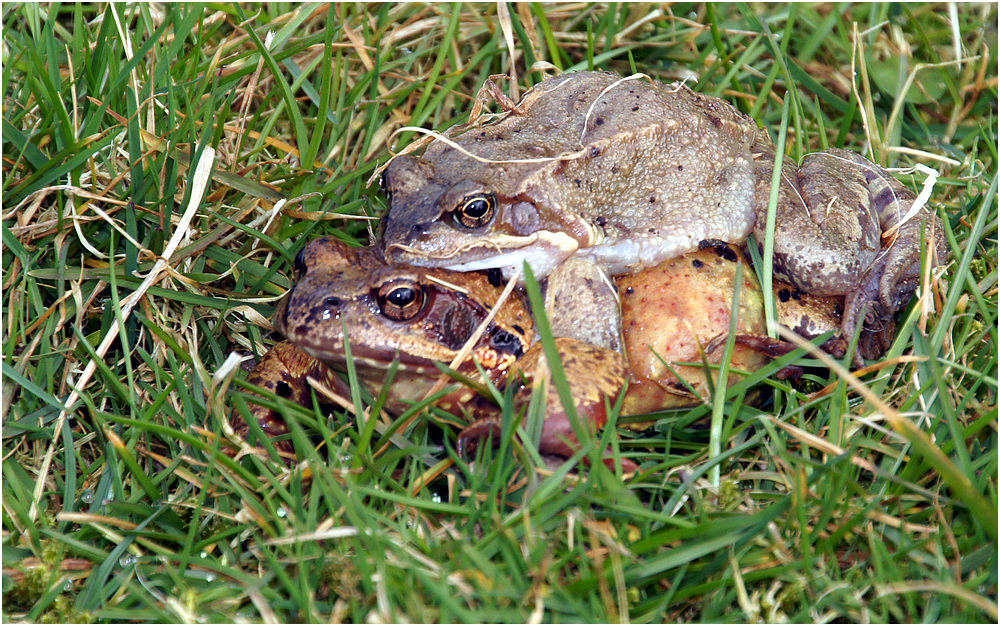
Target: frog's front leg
[(582, 303), (595, 375), (828, 239), (284, 370)]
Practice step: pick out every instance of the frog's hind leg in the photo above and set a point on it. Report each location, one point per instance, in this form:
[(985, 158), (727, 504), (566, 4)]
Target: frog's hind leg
[(843, 228), (892, 278)]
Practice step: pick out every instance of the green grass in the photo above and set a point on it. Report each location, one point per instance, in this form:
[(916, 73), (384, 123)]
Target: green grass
[(825, 507)]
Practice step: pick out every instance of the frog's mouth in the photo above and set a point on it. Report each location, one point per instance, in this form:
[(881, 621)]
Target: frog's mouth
[(372, 364), (372, 359), (511, 263), (543, 251)]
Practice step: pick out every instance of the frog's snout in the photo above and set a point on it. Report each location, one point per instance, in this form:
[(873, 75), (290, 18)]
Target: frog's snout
[(307, 307), (403, 230), (403, 242)]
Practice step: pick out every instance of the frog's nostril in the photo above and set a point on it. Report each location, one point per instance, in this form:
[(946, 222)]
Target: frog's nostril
[(331, 308), (418, 232)]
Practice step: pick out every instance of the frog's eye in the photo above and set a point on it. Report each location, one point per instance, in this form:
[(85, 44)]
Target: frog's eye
[(476, 210), (400, 301)]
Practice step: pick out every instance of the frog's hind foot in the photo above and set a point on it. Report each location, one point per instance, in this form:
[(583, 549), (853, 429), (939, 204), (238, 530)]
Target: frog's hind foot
[(877, 320), (776, 348)]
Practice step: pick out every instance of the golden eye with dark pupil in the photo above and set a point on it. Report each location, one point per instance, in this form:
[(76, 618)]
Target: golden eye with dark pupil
[(475, 211), (400, 302)]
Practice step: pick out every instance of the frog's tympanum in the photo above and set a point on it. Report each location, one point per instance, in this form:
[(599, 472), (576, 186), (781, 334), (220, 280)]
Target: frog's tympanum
[(626, 173), (672, 313)]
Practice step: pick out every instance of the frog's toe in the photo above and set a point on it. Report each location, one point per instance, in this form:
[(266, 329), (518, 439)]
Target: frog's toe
[(558, 436), (558, 441), (476, 432), (628, 466), (899, 281)]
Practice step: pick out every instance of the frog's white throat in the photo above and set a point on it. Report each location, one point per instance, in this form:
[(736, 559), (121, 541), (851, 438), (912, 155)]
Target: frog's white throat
[(544, 252)]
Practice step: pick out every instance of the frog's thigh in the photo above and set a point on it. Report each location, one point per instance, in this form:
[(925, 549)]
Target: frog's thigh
[(826, 232), (582, 303)]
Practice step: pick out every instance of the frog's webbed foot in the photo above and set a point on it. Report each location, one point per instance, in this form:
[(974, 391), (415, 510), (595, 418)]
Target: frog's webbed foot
[(595, 376), (282, 370)]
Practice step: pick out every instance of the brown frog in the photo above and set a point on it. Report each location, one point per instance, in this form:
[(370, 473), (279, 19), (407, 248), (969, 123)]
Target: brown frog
[(625, 173), (421, 316)]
